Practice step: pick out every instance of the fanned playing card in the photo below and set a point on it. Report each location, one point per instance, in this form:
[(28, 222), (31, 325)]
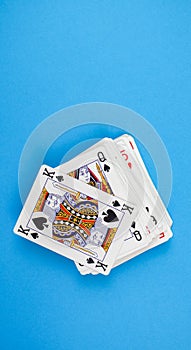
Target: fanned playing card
[(75, 220)]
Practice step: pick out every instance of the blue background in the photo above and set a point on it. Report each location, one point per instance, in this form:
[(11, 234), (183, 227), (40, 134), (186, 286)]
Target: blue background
[(58, 53)]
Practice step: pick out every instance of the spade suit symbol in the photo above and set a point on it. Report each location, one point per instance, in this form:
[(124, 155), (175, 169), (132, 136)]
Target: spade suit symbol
[(110, 216), (34, 235), (116, 203), (106, 168), (60, 178), (133, 224), (40, 222)]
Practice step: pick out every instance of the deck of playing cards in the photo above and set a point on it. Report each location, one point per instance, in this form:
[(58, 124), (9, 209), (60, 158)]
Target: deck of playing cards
[(100, 209)]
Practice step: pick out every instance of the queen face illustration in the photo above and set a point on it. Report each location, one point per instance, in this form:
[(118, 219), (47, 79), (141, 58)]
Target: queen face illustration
[(84, 174)]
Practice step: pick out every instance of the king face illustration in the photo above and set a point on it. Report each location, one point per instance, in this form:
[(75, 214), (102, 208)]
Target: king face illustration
[(74, 219), (72, 215)]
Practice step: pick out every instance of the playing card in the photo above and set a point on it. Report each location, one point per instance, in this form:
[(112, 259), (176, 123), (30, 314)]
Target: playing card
[(75, 220), (99, 166)]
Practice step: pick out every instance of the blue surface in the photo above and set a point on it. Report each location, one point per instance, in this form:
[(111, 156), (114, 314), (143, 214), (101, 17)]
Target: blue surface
[(59, 53)]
